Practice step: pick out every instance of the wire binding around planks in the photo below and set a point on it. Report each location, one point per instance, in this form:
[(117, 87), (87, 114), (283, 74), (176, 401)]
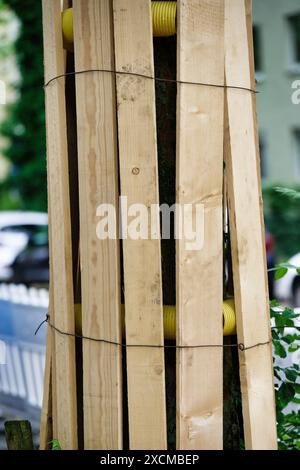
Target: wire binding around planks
[(240, 346), (149, 77)]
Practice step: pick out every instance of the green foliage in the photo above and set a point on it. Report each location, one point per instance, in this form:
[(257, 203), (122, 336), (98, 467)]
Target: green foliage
[(290, 193), (25, 125), (288, 429), (282, 269), (55, 445), (282, 214), (6, 45), (287, 387)]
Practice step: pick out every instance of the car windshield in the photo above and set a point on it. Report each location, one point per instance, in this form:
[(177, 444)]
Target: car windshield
[(28, 229), (39, 237), (35, 235)]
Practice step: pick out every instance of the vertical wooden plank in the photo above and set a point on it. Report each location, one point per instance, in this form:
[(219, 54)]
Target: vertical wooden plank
[(46, 430), (98, 177), (142, 258), (248, 246), (200, 32), (60, 228), (52, 398)]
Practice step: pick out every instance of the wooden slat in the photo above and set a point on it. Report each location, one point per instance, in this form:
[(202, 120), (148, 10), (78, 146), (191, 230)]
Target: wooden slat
[(52, 397), (200, 33), (142, 258), (46, 430), (248, 246), (100, 271), (65, 416)]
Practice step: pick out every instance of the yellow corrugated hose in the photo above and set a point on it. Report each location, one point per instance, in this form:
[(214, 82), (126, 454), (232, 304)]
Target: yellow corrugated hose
[(229, 327), (164, 18), (163, 21), (67, 26)]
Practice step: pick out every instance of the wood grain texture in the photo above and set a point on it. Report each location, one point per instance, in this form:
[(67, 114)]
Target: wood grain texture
[(247, 237), (200, 110), (142, 258), (65, 416), (46, 429), (98, 177)]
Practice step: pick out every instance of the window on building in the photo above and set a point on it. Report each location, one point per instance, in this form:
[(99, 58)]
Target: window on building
[(257, 48), (294, 26), (262, 150), (296, 149)]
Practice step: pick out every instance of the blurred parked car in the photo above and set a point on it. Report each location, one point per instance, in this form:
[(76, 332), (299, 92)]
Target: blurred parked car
[(16, 229), (31, 266), (288, 287)]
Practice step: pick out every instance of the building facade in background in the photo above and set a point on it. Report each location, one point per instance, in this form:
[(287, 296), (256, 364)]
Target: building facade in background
[(277, 56)]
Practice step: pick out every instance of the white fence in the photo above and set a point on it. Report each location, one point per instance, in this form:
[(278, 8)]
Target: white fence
[(20, 294), (22, 309)]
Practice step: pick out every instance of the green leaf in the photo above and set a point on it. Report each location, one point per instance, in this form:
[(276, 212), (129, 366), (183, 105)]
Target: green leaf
[(289, 313), (297, 388), (56, 444), (289, 339), (275, 335), (277, 375), (286, 393), (274, 303), (290, 193), (291, 374), (294, 348), (279, 349), (280, 273)]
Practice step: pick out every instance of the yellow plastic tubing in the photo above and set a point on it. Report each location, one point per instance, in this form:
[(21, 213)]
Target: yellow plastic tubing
[(229, 326), (229, 322), (163, 20), (67, 26)]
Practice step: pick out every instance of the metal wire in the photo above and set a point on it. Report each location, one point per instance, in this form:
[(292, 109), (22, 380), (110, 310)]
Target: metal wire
[(148, 77)]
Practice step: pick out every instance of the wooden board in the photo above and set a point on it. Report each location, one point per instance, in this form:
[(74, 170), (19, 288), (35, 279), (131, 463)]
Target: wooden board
[(65, 416), (200, 32), (142, 258), (98, 177), (248, 245), (46, 430)]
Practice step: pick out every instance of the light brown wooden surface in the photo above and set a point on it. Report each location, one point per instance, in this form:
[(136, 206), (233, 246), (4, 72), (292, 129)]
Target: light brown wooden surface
[(248, 245), (200, 36), (142, 258), (46, 430), (100, 271), (65, 416)]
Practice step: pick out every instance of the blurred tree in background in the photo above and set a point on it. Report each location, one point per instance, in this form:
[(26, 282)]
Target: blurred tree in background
[(282, 216), (25, 124)]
